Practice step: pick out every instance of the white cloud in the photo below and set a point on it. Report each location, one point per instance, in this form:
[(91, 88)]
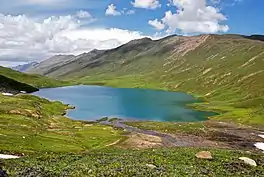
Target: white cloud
[(194, 16), (83, 14), (111, 10), (146, 4), (26, 39), (130, 12), (156, 24)]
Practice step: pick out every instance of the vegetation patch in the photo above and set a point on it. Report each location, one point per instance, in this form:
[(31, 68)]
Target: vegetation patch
[(155, 162), (29, 124)]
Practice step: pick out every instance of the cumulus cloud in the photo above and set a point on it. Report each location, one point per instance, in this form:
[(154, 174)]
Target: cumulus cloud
[(157, 24), (25, 39), (146, 4), (194, 16), (111, 10)]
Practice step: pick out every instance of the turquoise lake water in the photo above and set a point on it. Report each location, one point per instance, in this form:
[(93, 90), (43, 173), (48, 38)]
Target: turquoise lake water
[(95, 102)]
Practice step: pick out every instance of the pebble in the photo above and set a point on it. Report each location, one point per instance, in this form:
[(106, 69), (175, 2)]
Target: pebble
[(151, 166)]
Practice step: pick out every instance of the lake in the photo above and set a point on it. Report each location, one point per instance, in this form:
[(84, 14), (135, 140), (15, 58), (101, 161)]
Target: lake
[(95, 102)]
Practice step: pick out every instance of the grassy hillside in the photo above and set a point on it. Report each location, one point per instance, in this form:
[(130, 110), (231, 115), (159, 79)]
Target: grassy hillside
[(29, 124), (226, 70), (37, 81), (8, 85)]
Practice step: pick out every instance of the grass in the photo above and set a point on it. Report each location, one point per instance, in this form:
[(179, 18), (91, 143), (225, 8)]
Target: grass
[(29, 124), (171, 127), (225, 71), (34, 80), (54, 145), (117, 162)]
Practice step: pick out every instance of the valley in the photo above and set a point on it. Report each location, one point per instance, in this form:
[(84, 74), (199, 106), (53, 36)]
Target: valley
[(224, 71)]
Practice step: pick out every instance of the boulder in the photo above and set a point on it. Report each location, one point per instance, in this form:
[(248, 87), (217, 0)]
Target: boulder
[(248, 161), (204, 155)]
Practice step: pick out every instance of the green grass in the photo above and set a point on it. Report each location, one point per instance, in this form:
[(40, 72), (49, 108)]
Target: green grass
[(226, 71), (37, 81), (171, 127), (117, 162), (29, 124)]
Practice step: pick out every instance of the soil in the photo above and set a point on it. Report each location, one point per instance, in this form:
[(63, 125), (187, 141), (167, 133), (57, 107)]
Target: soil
[(219, 134)]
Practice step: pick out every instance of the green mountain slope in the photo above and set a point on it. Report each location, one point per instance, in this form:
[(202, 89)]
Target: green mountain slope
[(37, 81), (226, 70), (11, 86)]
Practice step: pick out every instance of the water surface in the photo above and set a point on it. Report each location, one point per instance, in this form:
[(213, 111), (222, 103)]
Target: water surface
[(94, 102)]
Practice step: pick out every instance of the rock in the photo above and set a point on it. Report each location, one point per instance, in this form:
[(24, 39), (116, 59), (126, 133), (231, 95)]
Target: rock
[(204, 155), (151, 166), (248, 161)]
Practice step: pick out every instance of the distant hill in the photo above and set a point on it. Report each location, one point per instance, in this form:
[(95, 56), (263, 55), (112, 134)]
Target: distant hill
[(226, 70), (59, 65), (47, 66), (25, 67)]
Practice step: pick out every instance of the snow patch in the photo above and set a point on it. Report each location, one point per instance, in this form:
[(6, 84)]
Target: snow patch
[(262, 136), (259, 146), (7, 94), (4, 156)]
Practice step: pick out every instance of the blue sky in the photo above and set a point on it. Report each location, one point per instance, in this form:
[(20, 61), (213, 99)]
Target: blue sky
[(37, 29)]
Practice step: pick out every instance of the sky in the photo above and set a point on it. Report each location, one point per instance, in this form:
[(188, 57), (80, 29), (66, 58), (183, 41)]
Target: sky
[(33, 30)]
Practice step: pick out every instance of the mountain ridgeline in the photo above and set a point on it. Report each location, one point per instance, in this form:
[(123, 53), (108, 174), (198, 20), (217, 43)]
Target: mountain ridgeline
[(225, 70)]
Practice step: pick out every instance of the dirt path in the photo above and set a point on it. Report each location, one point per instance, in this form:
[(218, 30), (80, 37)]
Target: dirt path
[(218, 134)]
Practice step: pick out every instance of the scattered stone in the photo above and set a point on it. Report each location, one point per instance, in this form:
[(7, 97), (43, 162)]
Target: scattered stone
[(204, 155), (259, 146), (24, 92), (23, 137), (4, 156), (248, 161), (151, 166)]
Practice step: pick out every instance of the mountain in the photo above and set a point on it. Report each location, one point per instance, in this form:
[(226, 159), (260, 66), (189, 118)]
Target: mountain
[(48, 66), (225, 70), (25, 67)]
